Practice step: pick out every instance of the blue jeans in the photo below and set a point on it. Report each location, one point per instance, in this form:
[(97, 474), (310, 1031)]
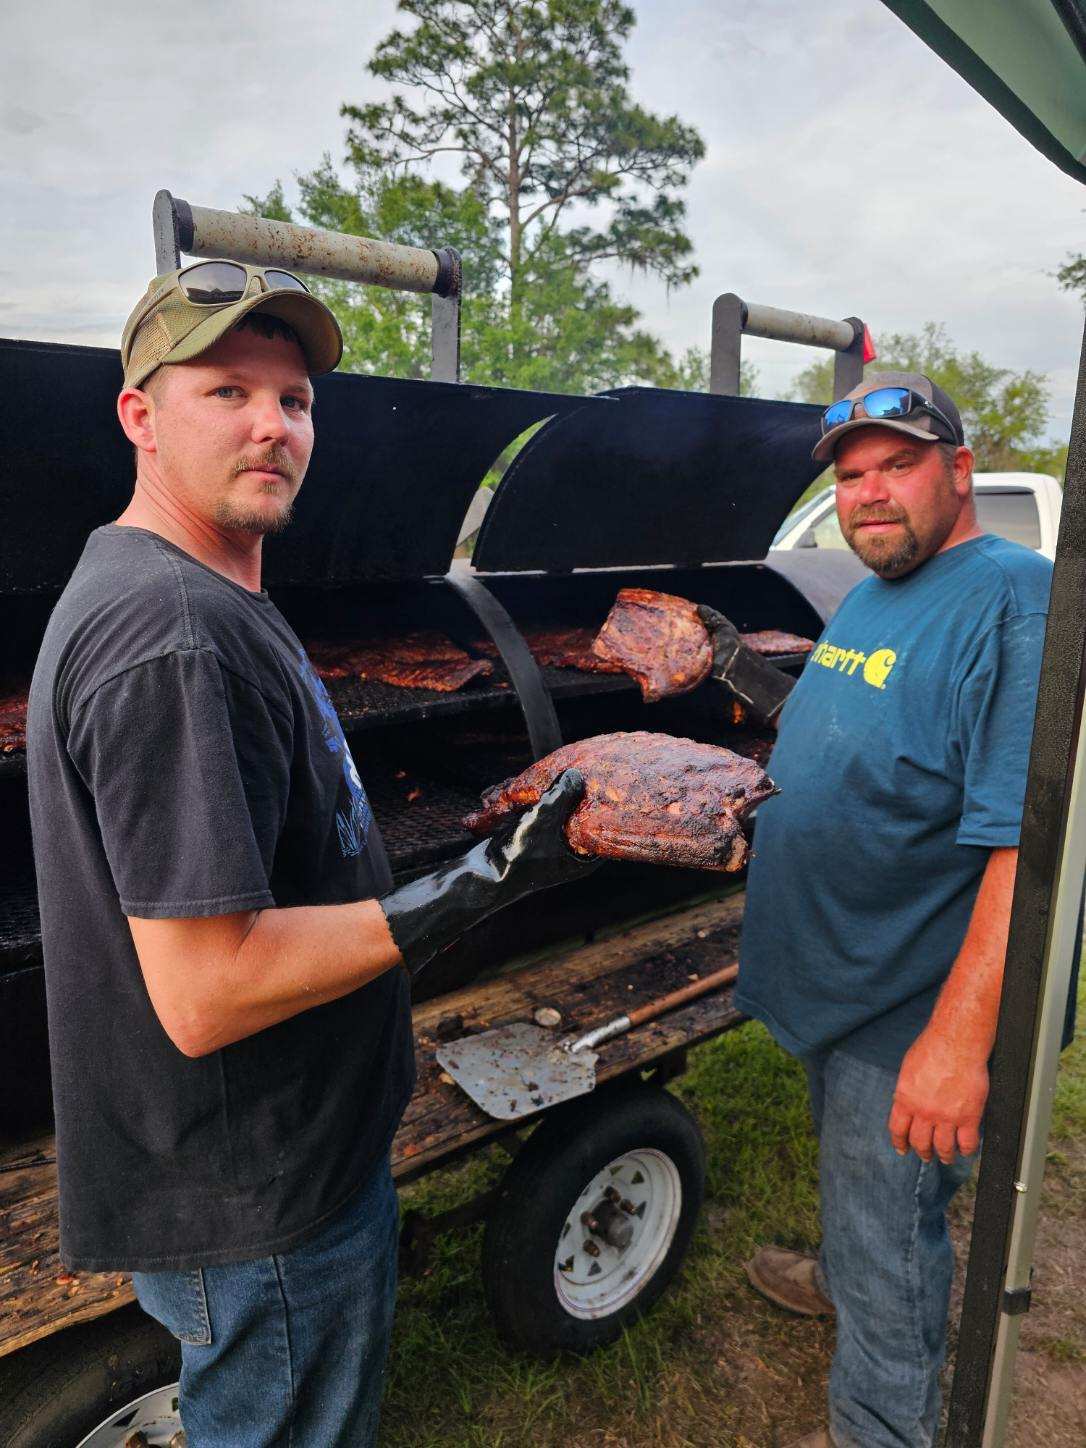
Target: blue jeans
[(886, 1259), (288, 1350)]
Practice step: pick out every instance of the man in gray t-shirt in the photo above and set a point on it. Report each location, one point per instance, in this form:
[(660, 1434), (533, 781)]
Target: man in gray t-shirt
[(226, 961)]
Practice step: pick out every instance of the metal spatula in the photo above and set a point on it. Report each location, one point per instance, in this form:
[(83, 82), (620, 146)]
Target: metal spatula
[(514, 1070)]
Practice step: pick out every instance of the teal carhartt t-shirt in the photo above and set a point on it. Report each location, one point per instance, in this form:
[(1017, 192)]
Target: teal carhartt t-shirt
[(901, 761)]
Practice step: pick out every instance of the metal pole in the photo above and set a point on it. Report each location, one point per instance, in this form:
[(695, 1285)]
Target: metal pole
[(732, 317), (203, 232), (1047, 900), (848, 364), (445, 320), (729, 314)]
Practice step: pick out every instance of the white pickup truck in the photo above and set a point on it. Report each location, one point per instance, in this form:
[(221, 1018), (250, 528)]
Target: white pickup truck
[(1024, 507)]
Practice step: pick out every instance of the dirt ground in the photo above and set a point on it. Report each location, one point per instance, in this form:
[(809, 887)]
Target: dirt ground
[(772, 1367)]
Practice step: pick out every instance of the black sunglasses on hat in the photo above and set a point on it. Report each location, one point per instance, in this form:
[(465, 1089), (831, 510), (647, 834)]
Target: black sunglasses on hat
[(213, 283)]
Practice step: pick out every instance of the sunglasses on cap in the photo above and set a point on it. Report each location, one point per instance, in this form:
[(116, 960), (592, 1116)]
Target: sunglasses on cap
[(883, 403), (214, 283)]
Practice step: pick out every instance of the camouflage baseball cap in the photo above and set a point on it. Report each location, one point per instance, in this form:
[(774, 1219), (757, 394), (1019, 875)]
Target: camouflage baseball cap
[(167, 326)]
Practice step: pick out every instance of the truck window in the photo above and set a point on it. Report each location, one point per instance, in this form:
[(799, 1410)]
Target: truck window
[(825, 533), (1011, 515)]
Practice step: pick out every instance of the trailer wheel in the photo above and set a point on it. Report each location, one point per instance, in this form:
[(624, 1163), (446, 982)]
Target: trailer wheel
[(93, 1386), (594, 1218)]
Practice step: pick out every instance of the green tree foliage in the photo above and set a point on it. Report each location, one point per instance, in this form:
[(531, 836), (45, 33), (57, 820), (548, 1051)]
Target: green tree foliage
[(1004, 413), (531, 96), (561, 170), (1072, 275)]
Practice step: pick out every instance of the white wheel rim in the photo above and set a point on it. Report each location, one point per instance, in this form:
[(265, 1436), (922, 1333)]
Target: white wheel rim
[(155, 1415), (596, 1283)]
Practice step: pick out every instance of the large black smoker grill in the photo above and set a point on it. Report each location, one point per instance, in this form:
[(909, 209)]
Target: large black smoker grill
[(634, 487)]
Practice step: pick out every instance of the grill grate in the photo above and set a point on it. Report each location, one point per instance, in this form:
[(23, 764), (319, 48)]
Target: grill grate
[(20, 924)]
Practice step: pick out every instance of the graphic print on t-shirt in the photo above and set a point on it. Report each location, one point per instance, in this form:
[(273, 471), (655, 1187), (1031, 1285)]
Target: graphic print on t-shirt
[(875, 667), (354, 822)]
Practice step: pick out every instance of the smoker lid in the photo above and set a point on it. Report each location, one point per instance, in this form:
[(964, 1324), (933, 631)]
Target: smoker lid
[(663, 477), (394, 468)]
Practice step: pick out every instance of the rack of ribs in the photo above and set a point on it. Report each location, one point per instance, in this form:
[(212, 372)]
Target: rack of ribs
[(770, 641), (13, 703), (657, 638), (559, 648), (422, 660), (648, 797)]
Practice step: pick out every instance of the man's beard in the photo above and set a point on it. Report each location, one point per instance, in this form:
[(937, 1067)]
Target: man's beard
[(888, 556), (239, 518)]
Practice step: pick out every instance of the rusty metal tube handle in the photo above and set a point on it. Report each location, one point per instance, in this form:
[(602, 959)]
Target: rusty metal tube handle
[(203, 232), (620, 1024), (801, 327), (733, 318)]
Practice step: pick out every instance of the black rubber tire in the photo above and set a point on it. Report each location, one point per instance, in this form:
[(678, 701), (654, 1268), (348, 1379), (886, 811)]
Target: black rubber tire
[(53, 1393), (570, 1146)]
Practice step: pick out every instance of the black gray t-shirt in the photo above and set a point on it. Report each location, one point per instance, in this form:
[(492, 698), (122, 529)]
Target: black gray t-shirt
[(185, 760)]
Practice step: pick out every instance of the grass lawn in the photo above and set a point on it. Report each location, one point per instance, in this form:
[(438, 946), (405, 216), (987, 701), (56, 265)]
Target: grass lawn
[(713, 1364)]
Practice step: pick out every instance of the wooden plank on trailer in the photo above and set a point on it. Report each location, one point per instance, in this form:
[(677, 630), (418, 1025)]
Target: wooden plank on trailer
[(38, 1296)]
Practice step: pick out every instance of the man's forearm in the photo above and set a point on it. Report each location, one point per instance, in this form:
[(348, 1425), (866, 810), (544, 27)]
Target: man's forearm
[(248, 971), (214, 981), (968, 1006), (942, 1086)]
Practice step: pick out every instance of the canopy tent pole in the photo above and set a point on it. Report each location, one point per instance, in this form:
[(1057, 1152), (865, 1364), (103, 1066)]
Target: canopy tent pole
[(1040, 958)]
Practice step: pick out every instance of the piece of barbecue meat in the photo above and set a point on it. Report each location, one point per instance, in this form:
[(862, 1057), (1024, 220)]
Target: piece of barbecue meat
[(770, 641), (657, 638), (648, 797), (558, 648), (423, 660), (13, 707)]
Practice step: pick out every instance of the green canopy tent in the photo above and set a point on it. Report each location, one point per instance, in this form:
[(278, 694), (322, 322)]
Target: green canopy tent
[(1028, 59)]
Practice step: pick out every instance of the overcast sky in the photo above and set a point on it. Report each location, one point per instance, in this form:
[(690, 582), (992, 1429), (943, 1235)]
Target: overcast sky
[(848, 170)]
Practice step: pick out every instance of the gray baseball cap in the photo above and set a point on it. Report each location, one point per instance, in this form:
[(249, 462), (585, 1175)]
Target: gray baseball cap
[(919, 424)]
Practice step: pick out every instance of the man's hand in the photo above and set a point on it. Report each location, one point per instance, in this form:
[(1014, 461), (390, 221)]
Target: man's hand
[(939, 1100), (427, 914), (942, 1087), (758, 685)]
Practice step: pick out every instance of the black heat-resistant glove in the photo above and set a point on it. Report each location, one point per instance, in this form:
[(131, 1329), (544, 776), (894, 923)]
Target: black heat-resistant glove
[(431, 912), (758, 685)]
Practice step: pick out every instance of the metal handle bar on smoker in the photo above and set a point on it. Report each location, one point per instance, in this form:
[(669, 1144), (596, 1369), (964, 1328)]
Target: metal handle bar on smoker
[(201, 231), (732, 317)]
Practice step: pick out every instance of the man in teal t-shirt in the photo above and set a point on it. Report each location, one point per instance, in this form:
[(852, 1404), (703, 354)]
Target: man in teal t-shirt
[(879, 897)]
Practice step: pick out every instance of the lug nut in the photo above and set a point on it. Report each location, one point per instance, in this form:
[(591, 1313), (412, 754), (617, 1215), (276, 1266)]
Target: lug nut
[(627, 1206), (589, 1221), (592, 1248), (611, 1194)]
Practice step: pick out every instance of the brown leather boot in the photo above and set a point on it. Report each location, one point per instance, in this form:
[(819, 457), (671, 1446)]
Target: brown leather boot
[(790, 1280)]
